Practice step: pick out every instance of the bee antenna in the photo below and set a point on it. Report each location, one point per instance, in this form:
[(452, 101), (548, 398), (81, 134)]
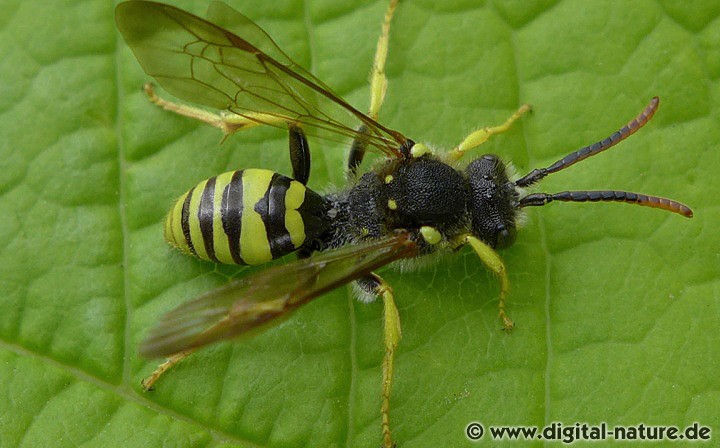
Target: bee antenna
[(539, 199), (596, 148)]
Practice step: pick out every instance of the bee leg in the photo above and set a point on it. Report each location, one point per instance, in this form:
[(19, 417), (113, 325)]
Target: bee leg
[(299, 154), (228, 123), (378, 80), (378, 86), (375, 285), (357, 151), (479, 137), (492, 261), (231, 123), (149, 383)]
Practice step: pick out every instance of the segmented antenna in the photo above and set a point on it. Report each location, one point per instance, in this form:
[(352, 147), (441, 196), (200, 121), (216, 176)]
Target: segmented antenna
[(538, 199), (596, 148)]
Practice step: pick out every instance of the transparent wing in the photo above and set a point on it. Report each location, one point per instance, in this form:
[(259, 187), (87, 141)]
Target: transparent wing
[(234, 65), (262, 298)]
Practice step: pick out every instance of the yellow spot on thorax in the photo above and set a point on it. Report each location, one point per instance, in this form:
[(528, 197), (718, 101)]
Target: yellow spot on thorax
[(430, 234), (419, 150), (392, 205)]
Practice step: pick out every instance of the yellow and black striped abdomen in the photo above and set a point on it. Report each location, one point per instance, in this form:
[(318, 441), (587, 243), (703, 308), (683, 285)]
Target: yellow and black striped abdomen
[(245, 217)]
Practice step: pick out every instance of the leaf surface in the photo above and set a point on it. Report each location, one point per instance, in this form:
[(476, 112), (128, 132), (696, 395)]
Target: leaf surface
[(616, 307)]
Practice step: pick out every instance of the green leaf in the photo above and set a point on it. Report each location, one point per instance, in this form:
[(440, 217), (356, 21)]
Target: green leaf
[(616, 307)]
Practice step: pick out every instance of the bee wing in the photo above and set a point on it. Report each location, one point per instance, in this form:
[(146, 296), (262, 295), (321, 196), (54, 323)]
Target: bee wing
[(246, 304), (242, 71)]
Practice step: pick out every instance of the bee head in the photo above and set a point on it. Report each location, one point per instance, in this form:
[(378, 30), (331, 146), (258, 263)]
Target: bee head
[(493, 201)]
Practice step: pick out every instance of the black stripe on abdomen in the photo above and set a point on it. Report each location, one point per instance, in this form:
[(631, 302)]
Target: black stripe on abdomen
[(231, 213), (185, 221), (272, 210), (205, 214)]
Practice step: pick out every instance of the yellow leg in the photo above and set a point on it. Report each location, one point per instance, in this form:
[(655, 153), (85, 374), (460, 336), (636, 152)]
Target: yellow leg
[(374, 285), (378, 86), (479, 137), (149, 383), (493, 262), (392, 337), (378, 80), (228, 123)]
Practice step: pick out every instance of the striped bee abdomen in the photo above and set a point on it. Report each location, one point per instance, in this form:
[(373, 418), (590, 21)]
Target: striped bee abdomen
[(246, 217)]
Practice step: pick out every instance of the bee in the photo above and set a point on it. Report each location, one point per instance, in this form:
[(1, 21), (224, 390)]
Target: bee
[(412, 203)]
